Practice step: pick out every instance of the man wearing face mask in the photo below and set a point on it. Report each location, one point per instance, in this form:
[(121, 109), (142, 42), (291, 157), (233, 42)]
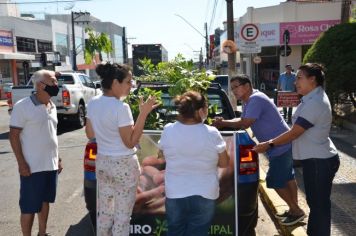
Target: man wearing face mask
[(33, 138)]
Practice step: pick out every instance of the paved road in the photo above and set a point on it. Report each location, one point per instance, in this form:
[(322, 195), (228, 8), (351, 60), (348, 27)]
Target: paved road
[(344, 188), (68, 216)]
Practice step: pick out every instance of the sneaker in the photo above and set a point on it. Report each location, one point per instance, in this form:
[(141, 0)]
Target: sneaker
[(282, 216), (291, 219)]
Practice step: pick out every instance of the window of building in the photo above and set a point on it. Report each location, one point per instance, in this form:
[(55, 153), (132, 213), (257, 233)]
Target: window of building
[(44, 46), (25, 44), (79, 46), (118, 49), (62, 44), (5, 71)]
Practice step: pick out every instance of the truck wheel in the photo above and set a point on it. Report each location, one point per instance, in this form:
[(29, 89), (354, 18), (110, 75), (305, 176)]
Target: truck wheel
[(80, 116)]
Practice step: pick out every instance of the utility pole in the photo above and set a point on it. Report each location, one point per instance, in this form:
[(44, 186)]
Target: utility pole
[(74, 17), (345, 11), (205, 37), (206, 45), (124, 45), (231, 56)]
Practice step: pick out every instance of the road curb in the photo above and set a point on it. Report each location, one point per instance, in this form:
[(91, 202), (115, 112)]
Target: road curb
[(276, 204)]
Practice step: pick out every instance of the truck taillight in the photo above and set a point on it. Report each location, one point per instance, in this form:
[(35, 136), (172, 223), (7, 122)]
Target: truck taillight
[(90, 156), (9, 98), (248, 160), (66, 97)]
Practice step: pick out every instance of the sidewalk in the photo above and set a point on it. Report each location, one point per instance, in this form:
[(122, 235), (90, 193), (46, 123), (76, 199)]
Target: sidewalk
[(276, 204), (346, 135), (3, 103)]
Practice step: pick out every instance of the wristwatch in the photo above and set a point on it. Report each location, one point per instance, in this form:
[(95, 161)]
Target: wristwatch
[(270, 143)]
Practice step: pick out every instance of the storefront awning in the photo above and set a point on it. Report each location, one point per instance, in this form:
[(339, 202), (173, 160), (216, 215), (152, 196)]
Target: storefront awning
[(15, 56)]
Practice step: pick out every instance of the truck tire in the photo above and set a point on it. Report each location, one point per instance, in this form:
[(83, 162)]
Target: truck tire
[(80, 116)]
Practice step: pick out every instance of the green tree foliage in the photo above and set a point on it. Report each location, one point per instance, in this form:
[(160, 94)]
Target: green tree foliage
[(336, 50), (181, 74), (96, 43)]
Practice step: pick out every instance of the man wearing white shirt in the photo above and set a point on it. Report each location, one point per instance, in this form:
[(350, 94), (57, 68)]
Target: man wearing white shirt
[(33, 138)]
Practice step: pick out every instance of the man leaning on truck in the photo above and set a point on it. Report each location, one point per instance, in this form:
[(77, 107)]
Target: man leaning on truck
[(33, 138)]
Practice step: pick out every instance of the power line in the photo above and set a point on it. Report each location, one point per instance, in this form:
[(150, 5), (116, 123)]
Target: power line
[(213, 15), (42, 2)]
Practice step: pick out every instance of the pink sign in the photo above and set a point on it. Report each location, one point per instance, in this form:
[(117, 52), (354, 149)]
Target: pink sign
[(305, 32)]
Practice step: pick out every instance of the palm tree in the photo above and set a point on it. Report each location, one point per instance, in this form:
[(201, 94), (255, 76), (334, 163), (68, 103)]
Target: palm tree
[(96, 43)]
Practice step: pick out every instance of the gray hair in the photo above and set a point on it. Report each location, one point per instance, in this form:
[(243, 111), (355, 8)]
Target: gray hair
[(39, 76)]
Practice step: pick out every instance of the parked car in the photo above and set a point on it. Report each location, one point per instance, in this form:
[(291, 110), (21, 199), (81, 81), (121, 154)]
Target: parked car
[(247, 163), (75, 91), (5, 88), (223, 80)]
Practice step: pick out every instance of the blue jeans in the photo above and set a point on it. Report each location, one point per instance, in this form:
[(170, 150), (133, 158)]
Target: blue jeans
[(318, 175), (189, 216)]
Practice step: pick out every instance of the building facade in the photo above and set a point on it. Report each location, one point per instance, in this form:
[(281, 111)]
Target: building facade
[(28, 44), (267, 26)]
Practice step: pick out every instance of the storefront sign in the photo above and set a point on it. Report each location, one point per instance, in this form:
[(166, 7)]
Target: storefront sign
[(287, 99), (307, 32), (6, 38), (269, 34)]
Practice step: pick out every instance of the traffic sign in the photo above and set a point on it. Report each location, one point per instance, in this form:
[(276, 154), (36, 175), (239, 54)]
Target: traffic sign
[(283, 50), (250, 32), (249, 37), (257, 59)]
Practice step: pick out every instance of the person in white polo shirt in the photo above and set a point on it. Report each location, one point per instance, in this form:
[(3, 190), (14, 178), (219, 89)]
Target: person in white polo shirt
[(193, 152), (312, 146), (33, 138)]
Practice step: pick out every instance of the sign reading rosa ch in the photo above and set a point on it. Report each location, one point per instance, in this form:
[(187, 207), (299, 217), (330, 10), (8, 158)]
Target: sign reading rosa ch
[(306, 32)]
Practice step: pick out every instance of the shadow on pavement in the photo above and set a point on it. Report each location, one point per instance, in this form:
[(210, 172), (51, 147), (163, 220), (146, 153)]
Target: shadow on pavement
[(343, 211), (344, 146), (4, 136), (83, 227), (65, 127)]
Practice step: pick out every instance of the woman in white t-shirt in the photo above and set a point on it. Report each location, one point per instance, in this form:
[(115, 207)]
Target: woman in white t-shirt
[(193, 152), (110, 121)]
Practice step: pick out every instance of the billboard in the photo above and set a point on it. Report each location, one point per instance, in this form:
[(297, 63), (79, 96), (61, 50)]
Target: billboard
[(302, 33)]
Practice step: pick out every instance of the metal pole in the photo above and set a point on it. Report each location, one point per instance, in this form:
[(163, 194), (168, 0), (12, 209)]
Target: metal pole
[(73, 42), (285, 44)]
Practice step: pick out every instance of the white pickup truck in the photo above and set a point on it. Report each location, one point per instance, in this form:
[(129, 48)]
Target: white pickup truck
[(75, 91)]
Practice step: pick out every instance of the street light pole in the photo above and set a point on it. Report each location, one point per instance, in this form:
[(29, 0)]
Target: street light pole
[(205, 37), (74, 16), (74, 52)]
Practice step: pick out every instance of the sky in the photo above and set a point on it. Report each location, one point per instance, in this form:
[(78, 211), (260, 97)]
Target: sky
[(156, 21)]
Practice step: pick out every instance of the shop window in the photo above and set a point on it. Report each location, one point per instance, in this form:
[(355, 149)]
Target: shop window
[(44, 46), (25, 44), (5, 71), (269, 52)]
